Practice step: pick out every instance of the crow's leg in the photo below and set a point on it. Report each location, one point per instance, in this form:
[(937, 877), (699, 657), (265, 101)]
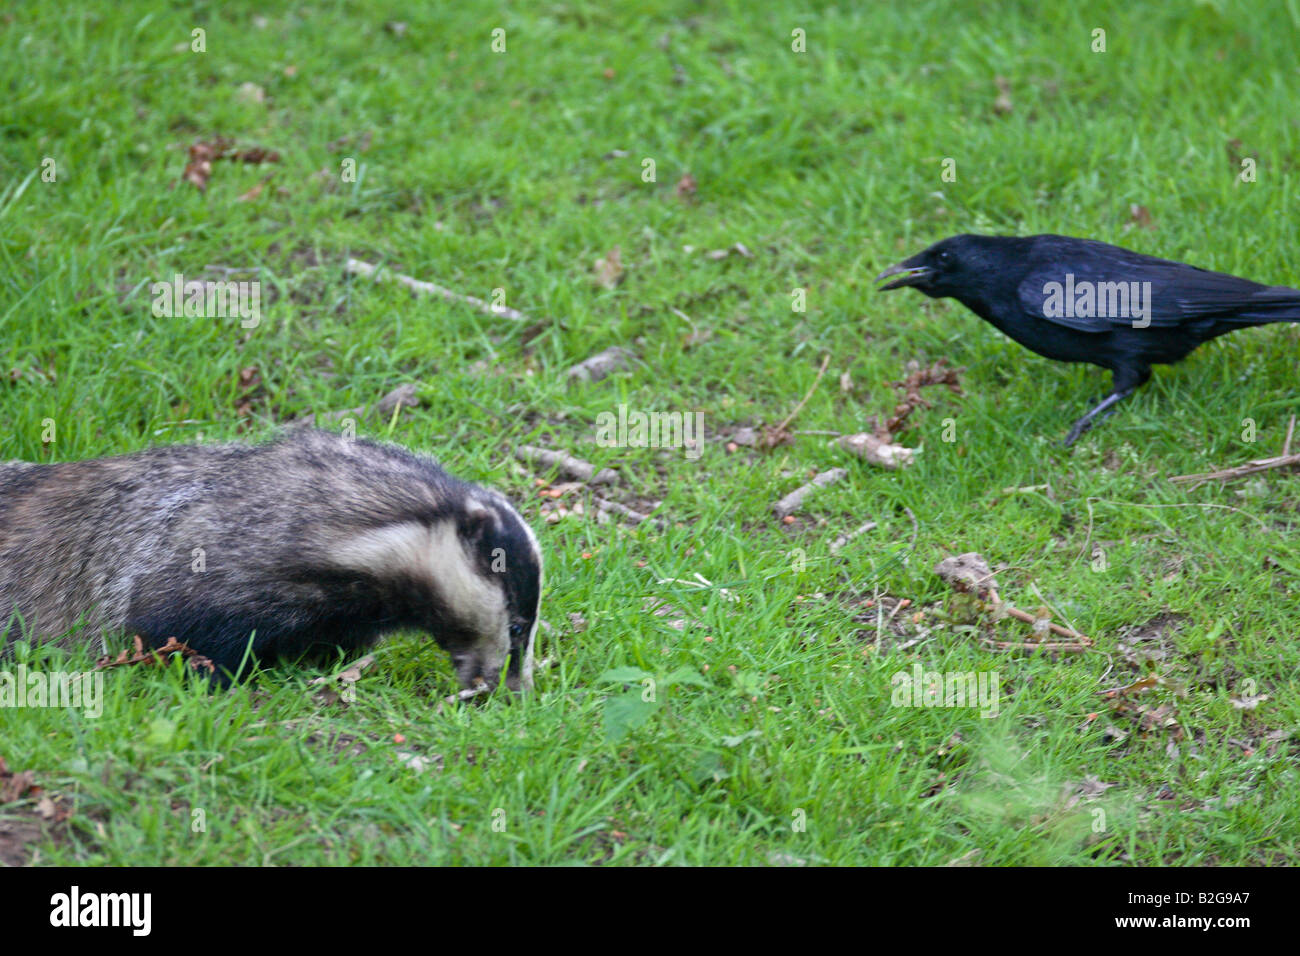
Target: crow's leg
[(1125, 384)]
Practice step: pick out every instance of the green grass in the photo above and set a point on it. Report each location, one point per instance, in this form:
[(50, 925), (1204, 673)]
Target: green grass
[(485, 171)]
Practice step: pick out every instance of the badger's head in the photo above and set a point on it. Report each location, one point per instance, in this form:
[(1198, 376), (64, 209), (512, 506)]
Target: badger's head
[(490, 581), (471, 576)]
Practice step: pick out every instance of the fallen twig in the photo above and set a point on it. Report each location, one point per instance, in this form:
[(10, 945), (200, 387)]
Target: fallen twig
[(357, 267), (872, 449), (568, 465), (772, 437), (1052, 626), (1241, 471), (844, 539), (791, 502), (1076, 647), (139, 654), (604, 504), (1284, 460), (970, 573), (601, 364)]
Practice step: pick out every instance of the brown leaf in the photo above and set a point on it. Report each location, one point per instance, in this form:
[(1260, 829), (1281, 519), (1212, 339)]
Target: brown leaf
[(609, 269), (1140, 216), (254, 192), (253, 156), (142, 656), (14, 785), (685, 187), (1002, 105), (204, 153), (917, 378), (199, 168), (1092, 787)]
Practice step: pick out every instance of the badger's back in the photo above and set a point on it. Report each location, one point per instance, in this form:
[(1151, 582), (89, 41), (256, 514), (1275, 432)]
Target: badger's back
[(308, 540)]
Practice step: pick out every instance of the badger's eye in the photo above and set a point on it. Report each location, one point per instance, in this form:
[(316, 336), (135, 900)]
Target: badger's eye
[(518, 631)]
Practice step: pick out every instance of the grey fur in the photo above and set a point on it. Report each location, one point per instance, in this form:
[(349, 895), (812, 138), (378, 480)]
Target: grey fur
[(313, 541)]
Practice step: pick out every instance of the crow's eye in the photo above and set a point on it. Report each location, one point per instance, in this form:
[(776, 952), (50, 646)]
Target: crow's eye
[(944, 256)]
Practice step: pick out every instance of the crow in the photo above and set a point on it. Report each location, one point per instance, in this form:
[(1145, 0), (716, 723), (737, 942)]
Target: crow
[(1079, 300)]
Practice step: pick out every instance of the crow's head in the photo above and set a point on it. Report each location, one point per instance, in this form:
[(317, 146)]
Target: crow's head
[(948, 267)]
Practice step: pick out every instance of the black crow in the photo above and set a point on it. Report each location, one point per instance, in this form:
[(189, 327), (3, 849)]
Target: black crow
[(1078, 300)]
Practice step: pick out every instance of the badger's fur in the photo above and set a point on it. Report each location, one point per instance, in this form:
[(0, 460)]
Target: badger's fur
[(307, 544)]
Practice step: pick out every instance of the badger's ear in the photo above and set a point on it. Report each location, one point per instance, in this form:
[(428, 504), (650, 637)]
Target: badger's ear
[(476, 520)]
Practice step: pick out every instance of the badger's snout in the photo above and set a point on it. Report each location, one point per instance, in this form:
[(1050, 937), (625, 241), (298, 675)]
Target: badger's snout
[(475, 667), (484, 664)]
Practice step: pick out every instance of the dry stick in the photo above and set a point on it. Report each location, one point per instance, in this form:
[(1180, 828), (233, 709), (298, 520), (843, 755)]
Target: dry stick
[(604, 504), (1032, 646), (357, 267), (1240, 471), (1283, 460), (573, 467), (1028, 618), (844, 539), (1078, 642), (996, 602), (791, 502), (804, 401)]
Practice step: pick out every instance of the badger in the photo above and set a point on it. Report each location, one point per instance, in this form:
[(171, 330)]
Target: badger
[(295, 548)]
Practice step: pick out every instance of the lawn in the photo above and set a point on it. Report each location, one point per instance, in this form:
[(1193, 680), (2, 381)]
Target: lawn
[(723, 688)]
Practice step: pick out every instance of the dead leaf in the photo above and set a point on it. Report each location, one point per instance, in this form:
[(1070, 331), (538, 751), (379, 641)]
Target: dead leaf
[(609, 268), (14, 785), (1248, 701), (252, 156), (199, 168), (1092, 787), (685, 187), (349, 675), (737, 248), (139, 655), (1002, 105), (418, 763), (1140, 216), (254, 192)]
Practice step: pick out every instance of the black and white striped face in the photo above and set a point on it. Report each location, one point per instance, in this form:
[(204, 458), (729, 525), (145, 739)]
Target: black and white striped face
[(502, 552), (473, 580)]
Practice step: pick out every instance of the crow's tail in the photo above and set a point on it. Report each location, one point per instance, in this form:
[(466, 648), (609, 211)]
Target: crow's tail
[(1274, 304)]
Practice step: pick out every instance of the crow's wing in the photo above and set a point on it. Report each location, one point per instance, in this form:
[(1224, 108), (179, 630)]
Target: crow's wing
[(1159, 293)]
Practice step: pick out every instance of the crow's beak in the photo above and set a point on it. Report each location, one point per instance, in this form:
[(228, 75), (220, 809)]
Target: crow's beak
[(907, 275)]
